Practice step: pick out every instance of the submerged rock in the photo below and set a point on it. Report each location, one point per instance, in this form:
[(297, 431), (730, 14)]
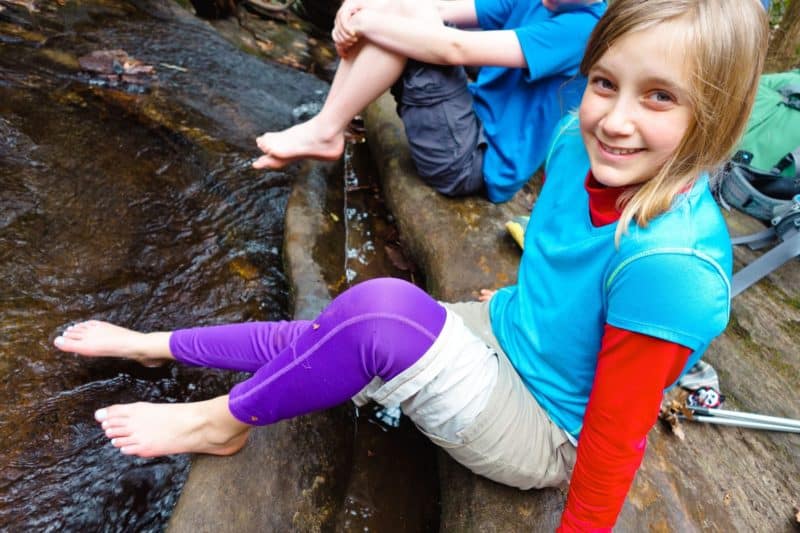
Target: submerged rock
[(116, 69)]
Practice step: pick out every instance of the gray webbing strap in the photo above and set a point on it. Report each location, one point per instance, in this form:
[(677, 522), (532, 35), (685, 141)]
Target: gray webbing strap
[(792, 157), (786, 250)]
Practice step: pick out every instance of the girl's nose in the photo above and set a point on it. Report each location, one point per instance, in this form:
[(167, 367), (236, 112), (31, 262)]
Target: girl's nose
[(619, 119)]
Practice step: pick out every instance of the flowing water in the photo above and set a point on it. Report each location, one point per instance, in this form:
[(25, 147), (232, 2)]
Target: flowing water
[(132, 204)]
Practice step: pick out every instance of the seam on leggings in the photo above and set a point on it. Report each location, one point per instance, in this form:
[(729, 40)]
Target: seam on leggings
[(342, 325)]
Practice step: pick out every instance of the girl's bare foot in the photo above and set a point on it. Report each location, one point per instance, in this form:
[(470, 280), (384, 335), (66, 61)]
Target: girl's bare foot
[(152, 429), (95, 338), (269, 161), (306, 140)]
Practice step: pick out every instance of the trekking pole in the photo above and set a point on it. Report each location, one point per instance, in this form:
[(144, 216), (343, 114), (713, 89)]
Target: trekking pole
[(745, 420)]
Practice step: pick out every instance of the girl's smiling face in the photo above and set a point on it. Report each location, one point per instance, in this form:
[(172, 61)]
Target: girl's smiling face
[(636, 109)]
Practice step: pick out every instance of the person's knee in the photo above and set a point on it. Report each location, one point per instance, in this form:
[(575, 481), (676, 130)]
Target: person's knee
[(378, 295), (393, 7), (414, 8), (390, 298)]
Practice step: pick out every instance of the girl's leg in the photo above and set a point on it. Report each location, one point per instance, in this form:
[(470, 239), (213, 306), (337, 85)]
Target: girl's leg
[(366, 73), (152, 430), (378, 328), (95, 338), (358, 82), (244, 347)]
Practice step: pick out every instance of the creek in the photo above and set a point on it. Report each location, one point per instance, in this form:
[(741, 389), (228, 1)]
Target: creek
[(135, 204)]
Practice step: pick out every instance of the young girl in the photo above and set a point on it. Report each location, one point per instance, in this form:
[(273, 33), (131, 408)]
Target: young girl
[(624, 282)]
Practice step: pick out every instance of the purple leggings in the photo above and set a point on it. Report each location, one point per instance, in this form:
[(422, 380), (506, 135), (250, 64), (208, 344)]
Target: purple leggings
[(377, 328)]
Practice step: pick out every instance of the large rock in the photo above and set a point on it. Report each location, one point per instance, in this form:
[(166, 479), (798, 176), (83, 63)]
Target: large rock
[(719, 478)]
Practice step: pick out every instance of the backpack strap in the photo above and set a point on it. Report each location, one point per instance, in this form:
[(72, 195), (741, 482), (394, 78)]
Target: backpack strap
[(792, 158), (791, 95), (784, 251), (771, 183)]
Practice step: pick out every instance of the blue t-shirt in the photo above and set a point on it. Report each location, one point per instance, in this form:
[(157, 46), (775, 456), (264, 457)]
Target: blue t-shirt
[(519, 107), (670, 280)]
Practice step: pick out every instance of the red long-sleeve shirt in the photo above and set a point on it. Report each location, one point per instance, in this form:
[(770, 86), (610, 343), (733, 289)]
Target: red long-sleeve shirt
[(632, 372)]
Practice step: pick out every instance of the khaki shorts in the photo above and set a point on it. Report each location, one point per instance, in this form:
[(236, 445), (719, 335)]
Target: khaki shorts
[(508, 438)]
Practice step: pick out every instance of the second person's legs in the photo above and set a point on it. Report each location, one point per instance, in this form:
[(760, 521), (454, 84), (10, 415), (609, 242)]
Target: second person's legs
[(444, 134)]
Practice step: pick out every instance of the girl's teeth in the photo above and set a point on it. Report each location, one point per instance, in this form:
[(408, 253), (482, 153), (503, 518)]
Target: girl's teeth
[(620, 151)]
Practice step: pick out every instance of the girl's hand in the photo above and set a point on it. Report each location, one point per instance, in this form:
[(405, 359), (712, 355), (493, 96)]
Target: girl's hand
[(344, 36), (485, 295)]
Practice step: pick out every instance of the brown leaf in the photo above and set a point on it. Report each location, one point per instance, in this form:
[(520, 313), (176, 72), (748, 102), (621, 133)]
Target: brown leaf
[(674, 404), (398, 258)]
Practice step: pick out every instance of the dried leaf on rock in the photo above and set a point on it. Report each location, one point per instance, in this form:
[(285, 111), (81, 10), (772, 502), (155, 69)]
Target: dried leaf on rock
[(672, 408), (398, 258)]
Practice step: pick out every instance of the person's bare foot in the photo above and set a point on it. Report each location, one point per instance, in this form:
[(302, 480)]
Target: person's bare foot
[(271, 162), (94, 338), (306, 140), (156, 429)]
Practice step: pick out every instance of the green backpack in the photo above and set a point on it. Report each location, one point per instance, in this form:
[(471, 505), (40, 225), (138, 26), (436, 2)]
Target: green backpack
[(773, 129), (764, 174), (763, 177)]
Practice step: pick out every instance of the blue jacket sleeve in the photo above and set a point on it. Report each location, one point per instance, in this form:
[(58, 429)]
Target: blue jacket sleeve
[(677, 296), (555, 46), (493, 14)]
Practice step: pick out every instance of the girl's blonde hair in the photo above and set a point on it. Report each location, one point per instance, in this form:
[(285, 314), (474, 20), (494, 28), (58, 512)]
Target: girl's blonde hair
[(725, 43)]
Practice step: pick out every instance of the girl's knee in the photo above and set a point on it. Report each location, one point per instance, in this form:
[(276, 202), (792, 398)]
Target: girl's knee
[(385, 295), (410, 8), (378, 293)]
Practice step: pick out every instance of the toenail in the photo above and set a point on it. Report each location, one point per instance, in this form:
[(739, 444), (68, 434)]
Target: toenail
[(113, 441), (59, 341), (100, 415)]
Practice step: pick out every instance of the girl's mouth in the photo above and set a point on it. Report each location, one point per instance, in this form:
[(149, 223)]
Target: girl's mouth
[(617, 151)]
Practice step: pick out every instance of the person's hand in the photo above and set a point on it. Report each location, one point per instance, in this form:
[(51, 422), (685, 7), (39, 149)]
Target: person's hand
[(344, 36), (484, 295)]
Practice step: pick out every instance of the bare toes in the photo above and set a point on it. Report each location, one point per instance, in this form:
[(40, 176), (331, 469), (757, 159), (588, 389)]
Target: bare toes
[(73, 333), (135, 449), (115, 432), (269, 161), (113, 415), (119, 442)]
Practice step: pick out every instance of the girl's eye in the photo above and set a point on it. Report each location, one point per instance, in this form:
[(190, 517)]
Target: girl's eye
[(661, 97), (602, 84)]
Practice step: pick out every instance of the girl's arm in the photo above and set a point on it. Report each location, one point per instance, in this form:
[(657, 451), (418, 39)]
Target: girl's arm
[(632, 372), (432, 42), (462, 13)]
